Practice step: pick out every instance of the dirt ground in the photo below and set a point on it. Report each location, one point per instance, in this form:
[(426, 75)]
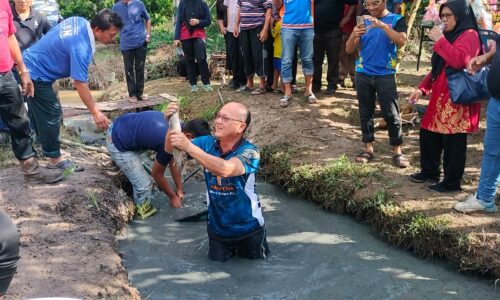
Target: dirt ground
[(68, 245)]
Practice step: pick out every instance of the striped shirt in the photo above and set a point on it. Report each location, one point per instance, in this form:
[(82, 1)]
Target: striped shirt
[(299, 14), (253, 12)]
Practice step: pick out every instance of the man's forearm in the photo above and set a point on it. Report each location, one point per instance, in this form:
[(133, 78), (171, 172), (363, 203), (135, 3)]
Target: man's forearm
[(398, 38), (216, 165), (86, 96), (148, 27), (351, 44), (267, 23)]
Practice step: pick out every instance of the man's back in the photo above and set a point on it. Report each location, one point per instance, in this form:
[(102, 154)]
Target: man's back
[(141, 131), (65, 51)]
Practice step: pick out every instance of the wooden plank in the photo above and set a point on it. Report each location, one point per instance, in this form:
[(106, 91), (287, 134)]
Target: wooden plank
[(75, 109)]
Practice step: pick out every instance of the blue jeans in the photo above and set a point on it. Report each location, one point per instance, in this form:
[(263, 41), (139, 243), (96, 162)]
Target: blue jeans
[(289, 39), (490, 167), (131, 165)]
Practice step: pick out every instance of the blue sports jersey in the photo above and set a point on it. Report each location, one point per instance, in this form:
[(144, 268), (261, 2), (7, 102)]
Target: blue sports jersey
[(378, 54), (298, 14), (142, 131), (233, 205), (65, 51)]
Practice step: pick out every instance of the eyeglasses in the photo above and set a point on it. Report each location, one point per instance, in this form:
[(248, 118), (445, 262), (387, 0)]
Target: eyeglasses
[(445, 16), (224, 119), (373, 5)]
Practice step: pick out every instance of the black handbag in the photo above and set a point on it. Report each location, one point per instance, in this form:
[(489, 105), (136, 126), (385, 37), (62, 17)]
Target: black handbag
[(467, 88)]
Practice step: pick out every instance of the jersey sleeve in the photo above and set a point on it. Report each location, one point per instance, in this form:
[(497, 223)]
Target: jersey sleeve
[(163, 158), (250, 158), (400, 25)]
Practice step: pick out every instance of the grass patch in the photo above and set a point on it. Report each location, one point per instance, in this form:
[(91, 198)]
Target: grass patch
[(334, 187)]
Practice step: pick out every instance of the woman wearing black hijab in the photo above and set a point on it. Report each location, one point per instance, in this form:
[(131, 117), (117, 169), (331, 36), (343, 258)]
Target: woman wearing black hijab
[(192, 18), (445, 125)]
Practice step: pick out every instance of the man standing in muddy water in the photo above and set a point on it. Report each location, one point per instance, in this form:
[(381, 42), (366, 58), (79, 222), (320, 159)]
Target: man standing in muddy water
[(66, 51), (235, 222)]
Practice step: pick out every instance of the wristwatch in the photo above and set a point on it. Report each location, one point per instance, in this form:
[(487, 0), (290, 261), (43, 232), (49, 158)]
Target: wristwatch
[(21, 72)]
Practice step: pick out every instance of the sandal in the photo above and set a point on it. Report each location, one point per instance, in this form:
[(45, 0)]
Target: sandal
[(311, 99), (66, 165), (364, 157), (400, 161), (258, 91), (285, 101), (243, 89)]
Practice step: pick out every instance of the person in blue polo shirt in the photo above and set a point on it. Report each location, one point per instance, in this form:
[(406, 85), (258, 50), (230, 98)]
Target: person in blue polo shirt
[(131, 134), (235, 221), (134, 38), (378, 37), (66, 50)]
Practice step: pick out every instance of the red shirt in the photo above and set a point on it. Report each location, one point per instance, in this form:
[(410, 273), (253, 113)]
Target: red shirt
[(349, 26), (442, 115), (7, 29), (198, 33)]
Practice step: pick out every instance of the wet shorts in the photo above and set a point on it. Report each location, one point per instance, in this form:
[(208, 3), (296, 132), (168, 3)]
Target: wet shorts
[(252, 246)]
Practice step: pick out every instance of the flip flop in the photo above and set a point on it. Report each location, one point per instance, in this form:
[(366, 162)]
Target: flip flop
[(311, 99), (66, 165), (243, 89), (400, 161), (258, 91), (364, 157), (285, 101)]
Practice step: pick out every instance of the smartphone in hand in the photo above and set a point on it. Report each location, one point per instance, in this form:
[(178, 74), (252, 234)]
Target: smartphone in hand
[(360, 20)]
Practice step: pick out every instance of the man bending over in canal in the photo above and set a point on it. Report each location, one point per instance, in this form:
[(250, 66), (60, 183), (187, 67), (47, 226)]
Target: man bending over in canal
[(131, 134), (235, 221)]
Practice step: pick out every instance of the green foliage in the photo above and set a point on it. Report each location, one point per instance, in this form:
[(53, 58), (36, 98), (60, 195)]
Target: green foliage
[(159, 10), (83, 8)]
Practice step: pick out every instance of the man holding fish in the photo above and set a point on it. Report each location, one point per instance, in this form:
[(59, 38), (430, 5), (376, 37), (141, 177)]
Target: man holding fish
[(235, 222)]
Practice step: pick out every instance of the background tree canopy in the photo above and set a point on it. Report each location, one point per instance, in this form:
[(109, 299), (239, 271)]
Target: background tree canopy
[(160, 10)]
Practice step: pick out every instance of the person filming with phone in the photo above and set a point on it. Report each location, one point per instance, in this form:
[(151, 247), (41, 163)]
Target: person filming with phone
[(378, 36)]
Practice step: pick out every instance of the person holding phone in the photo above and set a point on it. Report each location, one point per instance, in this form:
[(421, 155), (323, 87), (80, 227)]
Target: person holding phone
[(134, 37), (193, 16), (378, 35)]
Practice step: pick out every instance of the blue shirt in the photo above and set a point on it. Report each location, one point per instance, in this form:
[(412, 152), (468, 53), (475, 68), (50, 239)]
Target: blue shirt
[(142, 131), (133, 33), (233, 205), (298, 14), (64, 51), (378, 54)]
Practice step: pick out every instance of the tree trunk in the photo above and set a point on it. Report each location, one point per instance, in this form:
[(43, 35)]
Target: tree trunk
[(413, 15)]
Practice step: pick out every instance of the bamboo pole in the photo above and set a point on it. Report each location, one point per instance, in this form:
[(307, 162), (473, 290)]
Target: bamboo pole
[(413, 15)]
